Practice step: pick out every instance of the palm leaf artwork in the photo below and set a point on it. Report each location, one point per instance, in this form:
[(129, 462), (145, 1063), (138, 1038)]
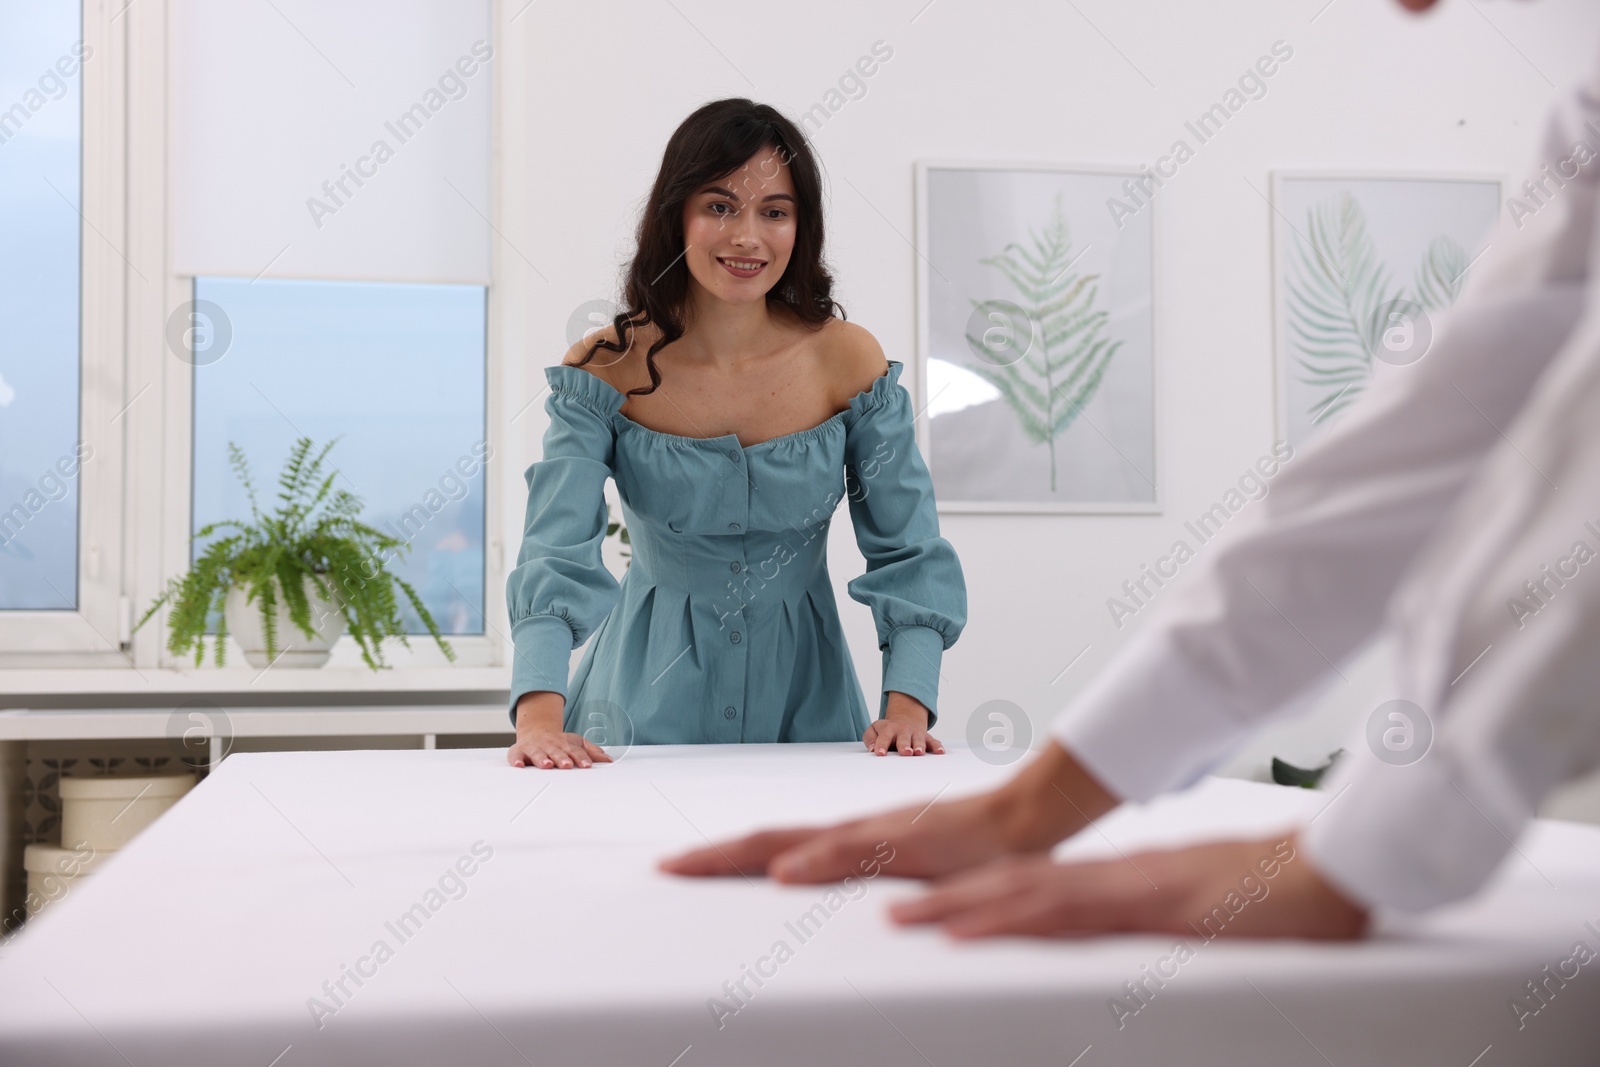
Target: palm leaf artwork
[(1066, 354), (1439, 275), (1336, 289)]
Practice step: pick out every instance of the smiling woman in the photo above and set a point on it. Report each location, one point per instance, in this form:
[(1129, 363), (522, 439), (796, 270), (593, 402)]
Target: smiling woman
[(735, 411), (724, 155)]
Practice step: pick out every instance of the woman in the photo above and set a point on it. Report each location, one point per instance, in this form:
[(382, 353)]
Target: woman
[(735, 411)]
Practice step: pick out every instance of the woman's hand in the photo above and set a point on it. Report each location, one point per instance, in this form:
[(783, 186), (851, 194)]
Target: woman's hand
[(541, 742), (555, 750), (904, 726)]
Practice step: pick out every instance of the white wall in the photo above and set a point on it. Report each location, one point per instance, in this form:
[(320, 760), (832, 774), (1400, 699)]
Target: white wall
[(1369, 86)]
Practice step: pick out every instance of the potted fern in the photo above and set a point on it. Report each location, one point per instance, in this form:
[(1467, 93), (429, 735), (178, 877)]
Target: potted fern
[(310, 565)]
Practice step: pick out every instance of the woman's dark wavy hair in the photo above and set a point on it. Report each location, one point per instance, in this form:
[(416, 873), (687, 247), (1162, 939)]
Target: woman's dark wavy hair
[(714, 141)]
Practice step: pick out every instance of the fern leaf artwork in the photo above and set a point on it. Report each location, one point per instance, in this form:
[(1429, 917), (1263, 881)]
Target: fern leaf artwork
[(1064, 356), (1337, 285)]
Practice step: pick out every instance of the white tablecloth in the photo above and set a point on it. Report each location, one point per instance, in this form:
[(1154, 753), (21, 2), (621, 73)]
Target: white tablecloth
[(210, 940)]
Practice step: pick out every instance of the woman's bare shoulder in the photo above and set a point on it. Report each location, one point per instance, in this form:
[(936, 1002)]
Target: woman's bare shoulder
[(854, 359)]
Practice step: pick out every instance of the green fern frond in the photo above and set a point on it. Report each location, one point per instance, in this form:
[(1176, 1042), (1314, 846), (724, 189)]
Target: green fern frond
[(241, 467)]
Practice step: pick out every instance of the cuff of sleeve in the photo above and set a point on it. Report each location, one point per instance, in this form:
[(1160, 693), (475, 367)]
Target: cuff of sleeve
[(911, 666), (1408, 837), (1149, 722), (541, 653)]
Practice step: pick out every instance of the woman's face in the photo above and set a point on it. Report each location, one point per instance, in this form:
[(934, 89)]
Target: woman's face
[(746, 217)]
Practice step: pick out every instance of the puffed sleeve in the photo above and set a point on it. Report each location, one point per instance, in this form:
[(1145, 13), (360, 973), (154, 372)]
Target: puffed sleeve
[(913, 582), (559, 591)]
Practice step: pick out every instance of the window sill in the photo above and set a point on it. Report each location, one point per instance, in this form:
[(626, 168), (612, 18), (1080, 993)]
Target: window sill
[(19, 683)]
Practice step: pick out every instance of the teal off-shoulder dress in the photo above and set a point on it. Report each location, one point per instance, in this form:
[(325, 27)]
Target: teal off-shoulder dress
[(724, 627)]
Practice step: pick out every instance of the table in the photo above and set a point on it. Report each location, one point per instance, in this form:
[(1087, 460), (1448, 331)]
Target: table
[(477, 913), (195, 715)]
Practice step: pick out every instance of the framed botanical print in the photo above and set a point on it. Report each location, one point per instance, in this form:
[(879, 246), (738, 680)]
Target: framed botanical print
[(1363, 266), (1037, 390)]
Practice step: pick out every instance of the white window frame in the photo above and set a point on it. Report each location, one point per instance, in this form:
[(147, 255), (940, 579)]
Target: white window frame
[(92, 633), (137, 398)]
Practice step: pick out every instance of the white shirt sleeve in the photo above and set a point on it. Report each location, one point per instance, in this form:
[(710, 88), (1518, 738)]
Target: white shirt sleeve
[(1496, 625), (1301, 579)]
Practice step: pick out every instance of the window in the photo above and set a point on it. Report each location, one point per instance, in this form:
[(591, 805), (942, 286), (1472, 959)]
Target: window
[(156, 160), (396, 372), (340, 236), (41, 52)]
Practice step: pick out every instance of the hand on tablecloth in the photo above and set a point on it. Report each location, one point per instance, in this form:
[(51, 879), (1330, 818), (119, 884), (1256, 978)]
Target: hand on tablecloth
[(1255, 888), (542, 743), (927, 840), (904, 727), (1052, 797), (555, 751)]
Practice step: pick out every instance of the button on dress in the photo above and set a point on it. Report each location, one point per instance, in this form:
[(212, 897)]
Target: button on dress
[(724, 627)]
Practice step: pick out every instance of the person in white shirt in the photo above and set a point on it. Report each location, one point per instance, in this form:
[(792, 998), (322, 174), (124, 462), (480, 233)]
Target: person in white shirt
[(1456, 504)]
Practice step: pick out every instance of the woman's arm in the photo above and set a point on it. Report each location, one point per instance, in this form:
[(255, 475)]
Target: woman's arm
[(913, 581), (560, 589)]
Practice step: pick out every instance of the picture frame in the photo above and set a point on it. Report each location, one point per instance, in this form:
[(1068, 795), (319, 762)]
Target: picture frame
[(1095, 447), (1401, 215)]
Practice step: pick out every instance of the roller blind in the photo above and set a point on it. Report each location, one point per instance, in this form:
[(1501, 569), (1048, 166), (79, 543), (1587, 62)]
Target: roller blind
[(347, 139)]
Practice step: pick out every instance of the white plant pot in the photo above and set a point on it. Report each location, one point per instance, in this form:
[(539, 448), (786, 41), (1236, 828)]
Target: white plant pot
[(294, 648)]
